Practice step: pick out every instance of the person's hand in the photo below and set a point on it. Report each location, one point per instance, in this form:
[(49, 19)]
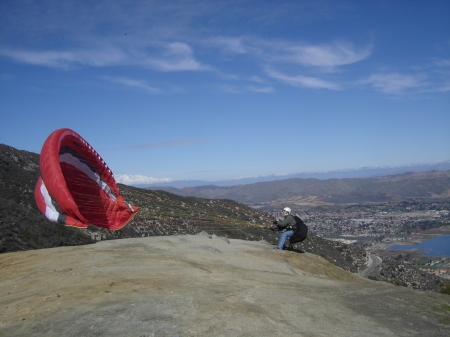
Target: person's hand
[(275, 222)]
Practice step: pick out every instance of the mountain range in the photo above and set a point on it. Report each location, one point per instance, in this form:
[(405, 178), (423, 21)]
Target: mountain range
[(434, 184), (363, 172)]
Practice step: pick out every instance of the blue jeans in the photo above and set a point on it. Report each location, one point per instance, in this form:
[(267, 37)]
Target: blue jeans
[(283, 237)]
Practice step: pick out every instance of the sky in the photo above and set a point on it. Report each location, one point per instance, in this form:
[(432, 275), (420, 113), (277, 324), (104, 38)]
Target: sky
[(219, 90)]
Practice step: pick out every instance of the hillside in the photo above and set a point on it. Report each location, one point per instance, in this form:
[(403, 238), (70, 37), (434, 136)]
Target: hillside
[(337, 191), (22, 225), (162, 213), (198, 285)]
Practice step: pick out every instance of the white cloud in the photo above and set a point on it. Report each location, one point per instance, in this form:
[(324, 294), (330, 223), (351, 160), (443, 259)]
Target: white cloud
[(66, 59), (231, 45), (177, 56), (233, 89), (170, 37), (134, 83), (302, 81), (140, 180), (48, 58), (325, 55), (257, 79), (394, 83)]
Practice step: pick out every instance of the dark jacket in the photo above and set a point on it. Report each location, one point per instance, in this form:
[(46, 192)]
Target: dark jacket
[(288, 222)]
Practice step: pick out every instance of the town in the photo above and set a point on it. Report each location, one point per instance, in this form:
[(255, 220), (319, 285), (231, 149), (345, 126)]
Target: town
[(376, 227)]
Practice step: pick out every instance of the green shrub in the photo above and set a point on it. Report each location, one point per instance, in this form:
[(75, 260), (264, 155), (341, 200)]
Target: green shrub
[(445, 287)]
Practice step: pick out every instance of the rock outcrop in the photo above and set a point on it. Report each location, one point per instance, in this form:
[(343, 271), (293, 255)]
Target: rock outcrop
[(402, 274), (202, 285)]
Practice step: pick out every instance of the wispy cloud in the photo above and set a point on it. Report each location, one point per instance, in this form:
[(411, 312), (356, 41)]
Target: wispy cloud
[(53, 59), (165, 37), (432, 77), (230, 45), (303, 57), (302, 81), (66, 59), (443, 63), (257, 79), (134, 84), (395, 83), (177, 56), (164, 144), (130, 179), (326, 56), (235, 89), (176, 36)]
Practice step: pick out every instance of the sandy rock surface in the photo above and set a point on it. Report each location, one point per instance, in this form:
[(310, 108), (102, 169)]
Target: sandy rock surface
[(202, 286)]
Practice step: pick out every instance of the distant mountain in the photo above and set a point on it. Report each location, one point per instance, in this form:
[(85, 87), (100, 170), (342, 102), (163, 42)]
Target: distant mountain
[(337, 174), (347, 190)]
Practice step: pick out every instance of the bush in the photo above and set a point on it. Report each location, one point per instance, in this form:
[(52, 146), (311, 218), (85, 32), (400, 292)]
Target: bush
[(445, 287)]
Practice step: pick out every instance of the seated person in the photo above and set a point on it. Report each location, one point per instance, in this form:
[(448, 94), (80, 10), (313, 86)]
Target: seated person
[(285, 226)]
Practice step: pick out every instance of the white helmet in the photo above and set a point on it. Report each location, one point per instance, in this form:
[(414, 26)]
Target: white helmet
[(287, 209)]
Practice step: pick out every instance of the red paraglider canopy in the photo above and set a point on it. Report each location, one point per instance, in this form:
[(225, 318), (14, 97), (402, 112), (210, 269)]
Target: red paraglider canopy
[(76, 186)]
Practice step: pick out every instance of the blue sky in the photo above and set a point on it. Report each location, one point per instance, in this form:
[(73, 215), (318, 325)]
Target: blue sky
[(214, 90)]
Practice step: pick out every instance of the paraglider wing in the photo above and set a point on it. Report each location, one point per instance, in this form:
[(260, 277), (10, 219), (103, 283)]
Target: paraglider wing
[(76, 186)]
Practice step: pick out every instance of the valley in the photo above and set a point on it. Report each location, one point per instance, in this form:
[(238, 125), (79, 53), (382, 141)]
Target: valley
[(378, 226)]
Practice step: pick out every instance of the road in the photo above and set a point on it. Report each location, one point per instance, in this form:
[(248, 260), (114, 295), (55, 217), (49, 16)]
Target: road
[(374, 261)]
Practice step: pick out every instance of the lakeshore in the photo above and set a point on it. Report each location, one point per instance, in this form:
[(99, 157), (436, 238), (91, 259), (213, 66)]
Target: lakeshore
[(438, 246)]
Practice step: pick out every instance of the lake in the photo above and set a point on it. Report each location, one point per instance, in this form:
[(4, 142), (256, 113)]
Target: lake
[(437, 246)]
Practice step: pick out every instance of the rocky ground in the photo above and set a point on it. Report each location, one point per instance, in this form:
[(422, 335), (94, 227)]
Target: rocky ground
[(202, 285)]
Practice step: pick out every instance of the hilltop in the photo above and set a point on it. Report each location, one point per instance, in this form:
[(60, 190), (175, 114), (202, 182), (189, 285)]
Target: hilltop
[(162, 214), (202, 285)]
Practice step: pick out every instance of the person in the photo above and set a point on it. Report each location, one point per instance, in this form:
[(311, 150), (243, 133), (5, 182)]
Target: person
[(285, 226)]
